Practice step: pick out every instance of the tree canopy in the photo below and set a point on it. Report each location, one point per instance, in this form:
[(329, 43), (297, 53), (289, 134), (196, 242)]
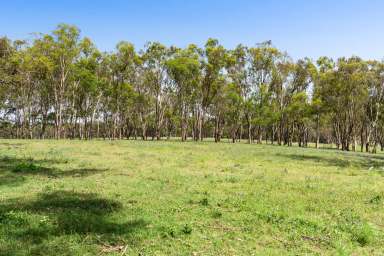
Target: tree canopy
[(61, 86)]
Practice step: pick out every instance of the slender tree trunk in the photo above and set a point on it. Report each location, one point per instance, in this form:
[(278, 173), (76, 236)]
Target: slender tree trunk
[(317, 131), (249, 130)]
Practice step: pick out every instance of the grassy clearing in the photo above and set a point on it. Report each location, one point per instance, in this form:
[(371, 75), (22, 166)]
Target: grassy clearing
[(172, 198)]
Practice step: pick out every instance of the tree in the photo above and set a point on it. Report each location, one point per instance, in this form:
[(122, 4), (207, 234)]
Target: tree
[(184, 69), (262, 63), (59, 85), (63, 50), (157, 79), (212, 85)]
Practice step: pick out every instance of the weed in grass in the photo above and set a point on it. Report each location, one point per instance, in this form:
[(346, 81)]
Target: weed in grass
[(25, 168), (187, 229), (204, 202), (12, 218), (168, 232), (363, 234), (232, 179), (217, 214), (359, 230), (376, 199)]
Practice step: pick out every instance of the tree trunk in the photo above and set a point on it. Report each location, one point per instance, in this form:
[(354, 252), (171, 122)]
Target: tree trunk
[(317, 131)]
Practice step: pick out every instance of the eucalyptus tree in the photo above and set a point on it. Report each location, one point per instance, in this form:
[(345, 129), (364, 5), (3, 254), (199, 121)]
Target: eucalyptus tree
[(321, 111), (280, 84), (5, 77), (156, 78), (212, 84), (6, 52), (9, 80), (373, 105), (86, 92), (343, 90), (64, 49), (352, 78), (184, 69), (43, 70), (236, 67), (262, 64), (232, 103), (303, 76), (129, 97), (24, 91)]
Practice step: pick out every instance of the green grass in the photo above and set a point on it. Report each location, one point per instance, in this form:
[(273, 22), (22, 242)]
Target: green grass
[(172, 198)]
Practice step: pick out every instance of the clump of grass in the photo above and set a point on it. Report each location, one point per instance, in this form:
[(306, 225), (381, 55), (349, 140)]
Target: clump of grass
[(363, 234), (360, 231), (25, 167), (376, 199), (231, 179), (217, 214), (168, 232), (187, 229), (13, 218), (204, 201)]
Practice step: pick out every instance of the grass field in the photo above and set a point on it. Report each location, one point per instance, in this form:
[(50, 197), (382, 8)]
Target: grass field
[(172, 198)]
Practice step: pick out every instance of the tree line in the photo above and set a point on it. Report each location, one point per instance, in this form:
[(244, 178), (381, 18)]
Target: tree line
[(60, 85)]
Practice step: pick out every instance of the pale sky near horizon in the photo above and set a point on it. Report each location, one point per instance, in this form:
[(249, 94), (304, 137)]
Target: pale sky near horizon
[(303, 28)]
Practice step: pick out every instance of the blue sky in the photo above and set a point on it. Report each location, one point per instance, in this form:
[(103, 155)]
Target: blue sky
[(301, 27)]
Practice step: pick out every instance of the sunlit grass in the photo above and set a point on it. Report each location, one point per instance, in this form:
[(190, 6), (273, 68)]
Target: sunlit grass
[(162, 198)]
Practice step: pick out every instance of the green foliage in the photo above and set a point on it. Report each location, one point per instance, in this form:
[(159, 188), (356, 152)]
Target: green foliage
[(204, 202), (187, 229), (60, 85), (25, 167)]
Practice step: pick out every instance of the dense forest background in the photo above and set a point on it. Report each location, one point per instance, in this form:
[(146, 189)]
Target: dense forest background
[(60, 85)]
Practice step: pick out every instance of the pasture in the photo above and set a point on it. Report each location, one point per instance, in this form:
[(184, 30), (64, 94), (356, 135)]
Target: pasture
[(172, 198)]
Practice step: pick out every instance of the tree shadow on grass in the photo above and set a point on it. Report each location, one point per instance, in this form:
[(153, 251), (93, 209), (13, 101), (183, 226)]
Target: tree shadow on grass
[(11, 179), (41, 224), (13, 171), (347, 161)]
